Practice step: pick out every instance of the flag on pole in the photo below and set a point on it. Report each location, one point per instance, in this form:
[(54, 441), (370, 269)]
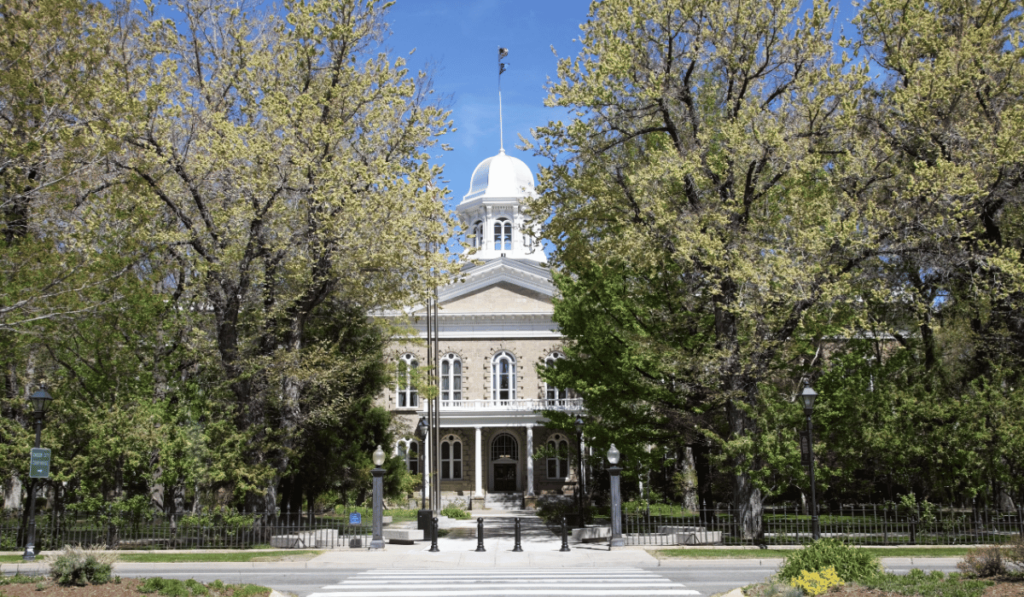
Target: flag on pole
[(502, 52)]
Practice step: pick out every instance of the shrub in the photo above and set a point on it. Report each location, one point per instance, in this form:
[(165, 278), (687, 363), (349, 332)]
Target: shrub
[(1014, 554), (453, 511), (816, 583), (74, 565), (982, 562), (772, 588), (851, 564)]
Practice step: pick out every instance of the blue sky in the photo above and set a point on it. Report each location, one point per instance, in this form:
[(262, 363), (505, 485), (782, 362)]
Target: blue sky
[(459, 39)]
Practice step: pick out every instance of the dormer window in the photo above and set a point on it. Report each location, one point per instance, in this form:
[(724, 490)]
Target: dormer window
[(503, 235)]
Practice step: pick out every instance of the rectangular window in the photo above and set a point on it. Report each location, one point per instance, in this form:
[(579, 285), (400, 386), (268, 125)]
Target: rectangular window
[(401, 398), (457, 469), (552, 468)]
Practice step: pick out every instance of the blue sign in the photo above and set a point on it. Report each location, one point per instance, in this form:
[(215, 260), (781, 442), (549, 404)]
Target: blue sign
[(355, 518)]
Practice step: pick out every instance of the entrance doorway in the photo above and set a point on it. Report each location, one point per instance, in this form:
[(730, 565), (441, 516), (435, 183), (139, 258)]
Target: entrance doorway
[(504, 464), (504, 477)]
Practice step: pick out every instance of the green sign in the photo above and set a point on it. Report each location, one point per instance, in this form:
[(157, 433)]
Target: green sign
[(39, 464)]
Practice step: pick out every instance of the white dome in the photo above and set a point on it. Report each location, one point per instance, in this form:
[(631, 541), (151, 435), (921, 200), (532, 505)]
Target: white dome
[(501, 176)]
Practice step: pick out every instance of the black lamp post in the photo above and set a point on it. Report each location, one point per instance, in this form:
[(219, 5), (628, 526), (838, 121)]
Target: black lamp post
[(424, 515), (378, 499), (808, 396), (40, 399), (581, 488), (613, 472)]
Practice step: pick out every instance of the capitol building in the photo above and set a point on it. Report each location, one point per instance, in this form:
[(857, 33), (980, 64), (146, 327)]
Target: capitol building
[(495, 326)]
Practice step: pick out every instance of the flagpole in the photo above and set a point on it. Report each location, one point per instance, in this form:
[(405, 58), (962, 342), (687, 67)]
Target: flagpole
[(502, 52)]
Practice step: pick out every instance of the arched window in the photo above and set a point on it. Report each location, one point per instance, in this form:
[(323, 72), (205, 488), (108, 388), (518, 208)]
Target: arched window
[(409, 451), (555, 396), (503, 235), (451, 457), (503, 377), (558, 461), (451, 378), (478, 235), (407, 395), (504, 447)]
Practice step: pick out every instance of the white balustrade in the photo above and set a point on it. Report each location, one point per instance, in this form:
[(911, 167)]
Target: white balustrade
[(568, 404)]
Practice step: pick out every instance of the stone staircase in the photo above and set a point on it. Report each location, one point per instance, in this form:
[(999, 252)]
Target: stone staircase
[(503, 501)]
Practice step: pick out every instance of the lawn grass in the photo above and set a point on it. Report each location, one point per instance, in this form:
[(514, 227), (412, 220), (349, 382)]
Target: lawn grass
[(924, 584), (757, 554), (158, 557), (232, 556)]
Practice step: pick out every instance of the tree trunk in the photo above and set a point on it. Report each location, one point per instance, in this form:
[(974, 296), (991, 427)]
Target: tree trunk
[(690, 482), (747, 499)]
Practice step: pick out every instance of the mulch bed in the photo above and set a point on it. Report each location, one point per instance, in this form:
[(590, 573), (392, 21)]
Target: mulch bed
[(128, 587)]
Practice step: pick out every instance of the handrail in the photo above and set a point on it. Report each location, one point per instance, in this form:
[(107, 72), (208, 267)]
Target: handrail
[(567, 404)]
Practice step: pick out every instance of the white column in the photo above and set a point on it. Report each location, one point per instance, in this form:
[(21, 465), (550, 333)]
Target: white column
[(529, 460), (489, 229), (478, 472)]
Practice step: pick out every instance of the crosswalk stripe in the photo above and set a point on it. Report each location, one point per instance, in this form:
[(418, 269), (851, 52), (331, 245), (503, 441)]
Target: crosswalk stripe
[(626, 582), (564, 591)]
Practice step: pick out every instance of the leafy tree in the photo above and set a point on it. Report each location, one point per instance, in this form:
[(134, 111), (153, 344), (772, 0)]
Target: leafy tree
[(939, 156), (287, 162), (696, 173)]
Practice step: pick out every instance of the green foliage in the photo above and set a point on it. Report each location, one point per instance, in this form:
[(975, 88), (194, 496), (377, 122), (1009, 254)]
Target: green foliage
[(850, 563), (552, 509), (75, 565), (817, 582), (983, 562), (173, 588), (772, 588), (20, 579), (453, 511), (926, 584)]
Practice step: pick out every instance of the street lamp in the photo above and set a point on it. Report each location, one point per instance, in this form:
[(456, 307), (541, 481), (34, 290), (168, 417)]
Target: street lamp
[(424, 515), (613, 471), (808, 396), (579, 470), (378, 499), (40, 400)]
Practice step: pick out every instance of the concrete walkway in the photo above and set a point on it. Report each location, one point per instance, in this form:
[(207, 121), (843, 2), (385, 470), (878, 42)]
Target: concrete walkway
[(541, 548)]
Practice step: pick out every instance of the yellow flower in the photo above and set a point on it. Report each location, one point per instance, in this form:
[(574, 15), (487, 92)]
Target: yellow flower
[(818, 582)]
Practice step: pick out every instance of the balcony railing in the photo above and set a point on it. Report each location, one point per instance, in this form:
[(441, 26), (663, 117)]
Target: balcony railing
[(568, 404)]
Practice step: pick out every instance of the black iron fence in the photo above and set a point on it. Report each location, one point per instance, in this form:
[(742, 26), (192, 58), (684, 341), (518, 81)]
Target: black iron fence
[(218, 529), (857, 525)]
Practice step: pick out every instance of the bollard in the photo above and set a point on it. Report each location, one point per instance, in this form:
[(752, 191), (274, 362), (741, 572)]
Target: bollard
[(480, 534), (433, 535), (519, 545), (565, 537)]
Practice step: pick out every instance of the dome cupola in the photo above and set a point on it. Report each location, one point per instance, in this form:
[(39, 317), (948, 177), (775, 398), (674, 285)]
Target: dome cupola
[(491, 214)]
